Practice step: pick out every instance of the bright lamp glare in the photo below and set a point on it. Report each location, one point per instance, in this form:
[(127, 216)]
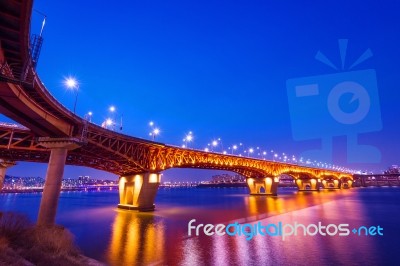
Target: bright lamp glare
[(71, 83)]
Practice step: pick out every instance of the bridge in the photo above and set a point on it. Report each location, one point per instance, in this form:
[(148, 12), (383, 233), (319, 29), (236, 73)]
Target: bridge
[(53, 134), (377, 180)]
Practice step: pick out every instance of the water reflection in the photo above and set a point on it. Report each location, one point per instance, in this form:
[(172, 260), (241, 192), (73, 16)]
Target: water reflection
[(160, 238), (136, 239)]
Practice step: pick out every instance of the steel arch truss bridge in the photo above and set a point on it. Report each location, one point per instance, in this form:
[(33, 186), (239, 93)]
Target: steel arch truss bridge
[(140, 162)]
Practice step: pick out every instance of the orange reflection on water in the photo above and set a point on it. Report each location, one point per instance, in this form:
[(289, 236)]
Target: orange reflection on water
[(161, 238), (136, 239)]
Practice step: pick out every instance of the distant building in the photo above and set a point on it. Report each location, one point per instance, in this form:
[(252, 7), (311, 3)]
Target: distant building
[(227, 178), (17, 183)]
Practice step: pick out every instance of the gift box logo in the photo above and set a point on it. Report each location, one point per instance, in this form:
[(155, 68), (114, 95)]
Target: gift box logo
[(343, 103)]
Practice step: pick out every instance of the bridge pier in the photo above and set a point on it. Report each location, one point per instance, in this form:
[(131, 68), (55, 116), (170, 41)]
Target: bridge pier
[(52, 187), (346, 184), (309, 184), (263, 186), (4, 164), (331, 184), (137, 192)]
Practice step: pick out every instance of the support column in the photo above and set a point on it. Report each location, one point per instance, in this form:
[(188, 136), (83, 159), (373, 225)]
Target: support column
[(263, 186), (346, 183), (331, 184), (55, 170), (137, 192), (363, 181), (4, 164), (309, 184)]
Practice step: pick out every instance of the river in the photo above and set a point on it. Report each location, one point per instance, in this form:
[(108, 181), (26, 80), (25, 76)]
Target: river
[(120, 237)]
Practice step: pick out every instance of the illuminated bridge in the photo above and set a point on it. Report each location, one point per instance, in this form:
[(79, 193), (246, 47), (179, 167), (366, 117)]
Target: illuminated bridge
[(51, 133)]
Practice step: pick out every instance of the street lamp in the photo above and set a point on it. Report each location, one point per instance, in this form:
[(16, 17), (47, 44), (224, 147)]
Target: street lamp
[(188, 138), (214, 144), (220, 142), (234, 148), (251, 150), (73, 85), (88, 116), (107, 123), (113, 113), (154, 133), (151, 134)]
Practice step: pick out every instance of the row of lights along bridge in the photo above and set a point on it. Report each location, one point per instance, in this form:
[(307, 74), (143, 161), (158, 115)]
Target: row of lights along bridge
[(215, 145)]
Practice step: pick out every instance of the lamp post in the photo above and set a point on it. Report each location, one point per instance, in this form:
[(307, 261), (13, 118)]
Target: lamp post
[(154, 130), (214, 144), (234, 148), (188, 138), (109, 122), (251, 150), (264, 154), (112, 110), (90, 116), (73, 85)]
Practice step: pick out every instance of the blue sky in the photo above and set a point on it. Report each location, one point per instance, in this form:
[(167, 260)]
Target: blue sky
[(220, 69)]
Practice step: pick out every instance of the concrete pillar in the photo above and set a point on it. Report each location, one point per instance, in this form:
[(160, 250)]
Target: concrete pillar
[(4, 164), (331, 184), (363, 181), (263, 186), (346, 183), (309, 184), (55, 170), (137, 192)]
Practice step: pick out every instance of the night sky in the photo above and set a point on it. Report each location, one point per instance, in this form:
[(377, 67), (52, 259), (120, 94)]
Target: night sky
[(231, 70)]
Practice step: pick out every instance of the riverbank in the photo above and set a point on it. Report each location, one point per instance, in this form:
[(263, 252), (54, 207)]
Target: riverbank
[(22, 243)]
